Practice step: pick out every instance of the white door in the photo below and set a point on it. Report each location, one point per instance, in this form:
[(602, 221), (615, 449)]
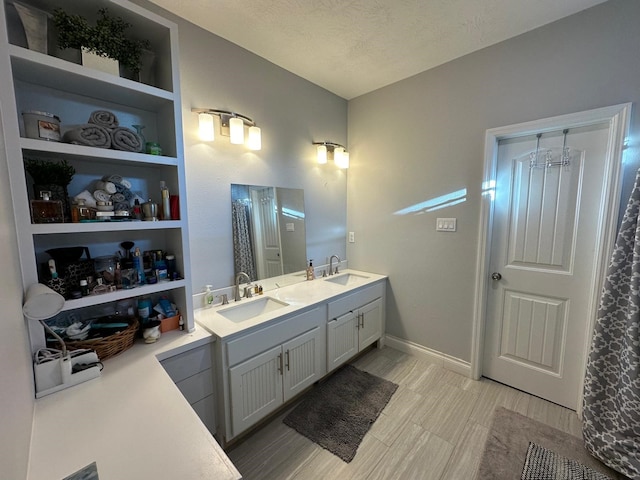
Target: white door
[(266, 232), (370, 323), (542, 260), (302, 358), (342, 339), (256, 388)]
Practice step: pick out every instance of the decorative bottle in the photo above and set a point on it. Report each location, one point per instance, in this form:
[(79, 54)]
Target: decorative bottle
[(166, 208), (138, 266)]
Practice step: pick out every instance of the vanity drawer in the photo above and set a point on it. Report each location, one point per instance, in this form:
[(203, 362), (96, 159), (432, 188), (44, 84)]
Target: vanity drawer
[(206, 410), (355, 300), (197, 387), (254, 343), (188, 363)]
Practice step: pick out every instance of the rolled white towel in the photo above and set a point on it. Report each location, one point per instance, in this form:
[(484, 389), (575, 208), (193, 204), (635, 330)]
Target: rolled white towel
[(108, 187), (89, 135), (104, 118), (123, 138)]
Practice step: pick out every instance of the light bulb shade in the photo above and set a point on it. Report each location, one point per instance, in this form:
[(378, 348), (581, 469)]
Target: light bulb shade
[(236, 131), (337, 155), (322, 154), (343, 160), (41, 302), (255, 138), (205, 127)]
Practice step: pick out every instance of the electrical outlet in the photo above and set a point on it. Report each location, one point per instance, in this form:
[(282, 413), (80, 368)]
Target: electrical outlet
[(352, 237)]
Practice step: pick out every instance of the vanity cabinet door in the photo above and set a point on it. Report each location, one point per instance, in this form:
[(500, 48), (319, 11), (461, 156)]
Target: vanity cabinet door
[(342, 339), (370, 328), (256, 388), (302, 362)]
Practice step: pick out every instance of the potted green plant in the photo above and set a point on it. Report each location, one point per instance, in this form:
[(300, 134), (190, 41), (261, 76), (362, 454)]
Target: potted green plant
[(105, 39), (52, 177)]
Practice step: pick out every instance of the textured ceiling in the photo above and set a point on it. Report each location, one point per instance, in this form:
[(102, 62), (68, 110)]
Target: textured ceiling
[(351, 47)]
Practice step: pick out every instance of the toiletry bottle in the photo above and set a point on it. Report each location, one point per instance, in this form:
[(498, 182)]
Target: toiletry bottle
[(310, 272), (137, 265), (166, 208), (208, 297), (144, 309)]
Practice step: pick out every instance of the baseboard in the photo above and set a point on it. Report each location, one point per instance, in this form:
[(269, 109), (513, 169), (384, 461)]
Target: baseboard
[(446, 361)]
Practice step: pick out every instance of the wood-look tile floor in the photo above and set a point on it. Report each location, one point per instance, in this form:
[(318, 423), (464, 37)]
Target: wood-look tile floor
[(434, 427)]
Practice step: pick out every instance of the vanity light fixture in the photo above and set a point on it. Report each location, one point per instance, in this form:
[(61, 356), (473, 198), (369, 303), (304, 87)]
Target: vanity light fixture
[(340, 154), (205, 127), (231, 125)]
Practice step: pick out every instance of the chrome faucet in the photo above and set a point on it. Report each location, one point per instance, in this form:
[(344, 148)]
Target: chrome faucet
[(331, 272), (236, 290)]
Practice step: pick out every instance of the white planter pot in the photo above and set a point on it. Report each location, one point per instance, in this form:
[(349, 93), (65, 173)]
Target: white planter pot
[(104, 64)]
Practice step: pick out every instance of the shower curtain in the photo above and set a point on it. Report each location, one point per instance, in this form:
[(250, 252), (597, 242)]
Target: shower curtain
[(611, 404), (242, 250)]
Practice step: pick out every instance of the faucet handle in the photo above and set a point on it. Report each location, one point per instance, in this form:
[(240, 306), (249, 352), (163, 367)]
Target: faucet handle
[(248, 292), (336, 271), (223, 298)]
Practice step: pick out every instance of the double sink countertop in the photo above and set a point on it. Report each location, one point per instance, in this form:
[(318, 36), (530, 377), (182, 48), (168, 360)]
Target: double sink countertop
[(225, 321), (134, 422)]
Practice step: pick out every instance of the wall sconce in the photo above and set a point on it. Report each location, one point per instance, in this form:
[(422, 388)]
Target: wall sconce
[(340, 154), (231, 125)]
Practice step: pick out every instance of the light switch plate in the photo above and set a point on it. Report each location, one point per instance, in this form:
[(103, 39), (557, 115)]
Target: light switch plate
[(446, 224), (352, 237)]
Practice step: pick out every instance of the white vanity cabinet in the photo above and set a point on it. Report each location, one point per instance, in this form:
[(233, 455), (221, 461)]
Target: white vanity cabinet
[(267, 360), (35, 81), (269, 366), (192, 372), (355, 322)]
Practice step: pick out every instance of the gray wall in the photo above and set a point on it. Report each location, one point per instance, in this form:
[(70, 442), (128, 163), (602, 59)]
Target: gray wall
[(291, 112), (16, 376), (424, 137)]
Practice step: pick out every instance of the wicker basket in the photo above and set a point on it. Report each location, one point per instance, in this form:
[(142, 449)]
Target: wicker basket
[(108, 346)]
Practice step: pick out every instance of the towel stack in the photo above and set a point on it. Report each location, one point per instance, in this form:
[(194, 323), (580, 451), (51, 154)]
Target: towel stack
[(104, 131)]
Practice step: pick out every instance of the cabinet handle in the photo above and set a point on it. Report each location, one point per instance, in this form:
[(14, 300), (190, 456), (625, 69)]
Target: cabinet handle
[(287, 354), (280, 363), (361, 320)]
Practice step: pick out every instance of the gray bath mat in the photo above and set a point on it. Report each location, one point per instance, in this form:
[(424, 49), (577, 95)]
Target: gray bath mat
[(505, 452), (338, 413), (542, 463)]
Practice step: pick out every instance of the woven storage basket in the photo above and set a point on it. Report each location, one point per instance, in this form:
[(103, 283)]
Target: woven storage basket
[(108, 346)]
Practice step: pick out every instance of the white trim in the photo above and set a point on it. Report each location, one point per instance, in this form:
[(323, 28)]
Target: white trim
[(618, 117), (442, 359)]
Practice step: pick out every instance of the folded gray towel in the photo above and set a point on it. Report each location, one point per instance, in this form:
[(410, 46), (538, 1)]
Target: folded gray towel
[(89, 135), (104, 118), (123, 138)]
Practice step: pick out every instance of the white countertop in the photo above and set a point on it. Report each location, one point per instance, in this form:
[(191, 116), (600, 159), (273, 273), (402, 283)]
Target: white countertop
[(132, 421), (298, 296)]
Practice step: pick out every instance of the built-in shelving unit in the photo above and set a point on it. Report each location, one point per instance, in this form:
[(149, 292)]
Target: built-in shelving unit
[(31, 80)]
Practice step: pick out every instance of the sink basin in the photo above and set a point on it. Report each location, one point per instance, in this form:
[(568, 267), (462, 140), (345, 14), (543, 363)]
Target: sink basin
[(346, 279), (251, 308)]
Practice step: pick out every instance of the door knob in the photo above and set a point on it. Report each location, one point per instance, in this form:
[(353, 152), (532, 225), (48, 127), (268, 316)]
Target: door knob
[(496, 276)]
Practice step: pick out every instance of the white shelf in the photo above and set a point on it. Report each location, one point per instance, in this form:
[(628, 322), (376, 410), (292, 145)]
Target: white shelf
[(92, 300), (37, 81), (95, 227), (54, 149), (34, 67)]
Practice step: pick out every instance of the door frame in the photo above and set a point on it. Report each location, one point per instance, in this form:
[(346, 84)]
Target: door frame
[(618, 118)]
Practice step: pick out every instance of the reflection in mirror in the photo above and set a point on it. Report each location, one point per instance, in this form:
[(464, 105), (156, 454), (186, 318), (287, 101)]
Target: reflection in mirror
[(268, 230)]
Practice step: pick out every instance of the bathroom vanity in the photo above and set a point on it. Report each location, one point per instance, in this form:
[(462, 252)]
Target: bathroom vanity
[(272, 347)]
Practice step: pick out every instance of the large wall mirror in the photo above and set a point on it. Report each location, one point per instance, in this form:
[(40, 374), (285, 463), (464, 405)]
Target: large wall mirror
[(268, 228)]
